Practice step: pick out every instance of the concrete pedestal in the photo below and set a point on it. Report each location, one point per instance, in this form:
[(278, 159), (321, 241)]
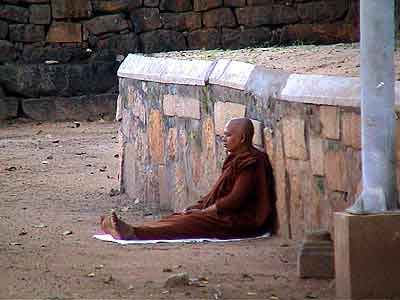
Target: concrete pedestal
[(367, 256)]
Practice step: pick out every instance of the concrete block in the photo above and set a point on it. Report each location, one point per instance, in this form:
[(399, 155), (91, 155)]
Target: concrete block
[(165, 203), (315, 257), (282, 203), (297, 178), (230, 73), (184, 107), (135, 103), (156, 137), (224, 111), (367, 256), (330, 120), (317, 156), (294, 138), (171, 142), (165, 70), (335, 169), (351, 129)]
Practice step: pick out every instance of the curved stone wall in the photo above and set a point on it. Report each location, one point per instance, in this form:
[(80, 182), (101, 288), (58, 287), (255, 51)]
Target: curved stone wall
[(172, 115)]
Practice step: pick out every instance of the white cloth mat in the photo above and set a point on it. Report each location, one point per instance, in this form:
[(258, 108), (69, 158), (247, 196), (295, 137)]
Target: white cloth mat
[(109, 238)]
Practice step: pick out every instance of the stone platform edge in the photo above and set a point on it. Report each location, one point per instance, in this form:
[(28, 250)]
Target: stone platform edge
[(262, 82)]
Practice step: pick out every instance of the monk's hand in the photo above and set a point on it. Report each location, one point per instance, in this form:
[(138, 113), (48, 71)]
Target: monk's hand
[(188, 211), (212, 208)]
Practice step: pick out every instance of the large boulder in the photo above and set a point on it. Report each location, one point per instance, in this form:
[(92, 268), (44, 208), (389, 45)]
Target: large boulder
[(39, 80), (7, 51), (63, 54), (236, 38), (64, 32), (151, 3), (104, 24), (326, 11), (202, 5), (3, 29), (176, 5), (146, 19), (66, 9), (8, 108), (253, 16), (27, 33), (181, 22), (120, 44), (40, 14), (204, 39), (87, 107), (115, 6), (14, 13), (319, 33), (219, 17), (162, 40)]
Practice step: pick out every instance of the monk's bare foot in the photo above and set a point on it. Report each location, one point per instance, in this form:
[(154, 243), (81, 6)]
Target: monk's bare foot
[(116, 227)]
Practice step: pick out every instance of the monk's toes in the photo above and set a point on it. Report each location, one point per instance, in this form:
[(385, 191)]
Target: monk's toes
[(114, 218)]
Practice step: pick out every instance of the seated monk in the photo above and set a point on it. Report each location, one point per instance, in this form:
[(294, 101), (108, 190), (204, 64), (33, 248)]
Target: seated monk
[(241, 203)]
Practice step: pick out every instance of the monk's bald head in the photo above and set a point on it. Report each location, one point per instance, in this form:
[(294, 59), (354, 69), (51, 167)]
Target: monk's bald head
[(244, 128)]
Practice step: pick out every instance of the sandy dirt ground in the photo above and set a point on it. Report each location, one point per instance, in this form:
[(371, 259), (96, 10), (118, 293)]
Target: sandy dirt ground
[(55, 181)]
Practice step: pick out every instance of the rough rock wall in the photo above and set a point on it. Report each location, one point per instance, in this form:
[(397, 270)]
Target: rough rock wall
[(38, 30), (171, 135), (51, 50)]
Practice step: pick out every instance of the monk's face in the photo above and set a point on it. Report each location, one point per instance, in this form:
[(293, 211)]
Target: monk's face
[(233, 137)]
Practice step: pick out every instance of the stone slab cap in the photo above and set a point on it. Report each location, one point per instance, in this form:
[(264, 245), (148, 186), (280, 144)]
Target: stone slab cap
[(265, 83), (234, 74), (325, 90), (166, 70)]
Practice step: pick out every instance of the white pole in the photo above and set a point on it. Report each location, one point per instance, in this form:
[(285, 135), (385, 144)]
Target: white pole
[(377, 108)]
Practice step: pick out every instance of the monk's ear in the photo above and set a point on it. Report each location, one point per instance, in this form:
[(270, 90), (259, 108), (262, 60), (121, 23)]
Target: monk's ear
[(243, 138)]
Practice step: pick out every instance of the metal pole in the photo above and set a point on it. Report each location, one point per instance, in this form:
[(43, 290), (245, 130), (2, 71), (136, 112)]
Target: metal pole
[(377, 108)]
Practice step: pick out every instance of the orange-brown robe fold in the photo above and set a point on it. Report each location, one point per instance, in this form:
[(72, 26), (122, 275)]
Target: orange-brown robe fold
[(245, 199)]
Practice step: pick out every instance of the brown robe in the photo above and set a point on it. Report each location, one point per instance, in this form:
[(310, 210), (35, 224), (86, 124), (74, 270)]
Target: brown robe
[(245, 199)]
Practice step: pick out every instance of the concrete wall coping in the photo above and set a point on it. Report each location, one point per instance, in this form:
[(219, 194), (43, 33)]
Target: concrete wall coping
[(326, 90), (165, 70), (302, 88), (229, 73)]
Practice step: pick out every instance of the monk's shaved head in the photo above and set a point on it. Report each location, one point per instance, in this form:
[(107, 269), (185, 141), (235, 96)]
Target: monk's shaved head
[(244, 127)]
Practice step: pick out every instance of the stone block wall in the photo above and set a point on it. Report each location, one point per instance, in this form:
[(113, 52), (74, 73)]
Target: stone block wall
[(171, 127), (39, 30), (77, 34)]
